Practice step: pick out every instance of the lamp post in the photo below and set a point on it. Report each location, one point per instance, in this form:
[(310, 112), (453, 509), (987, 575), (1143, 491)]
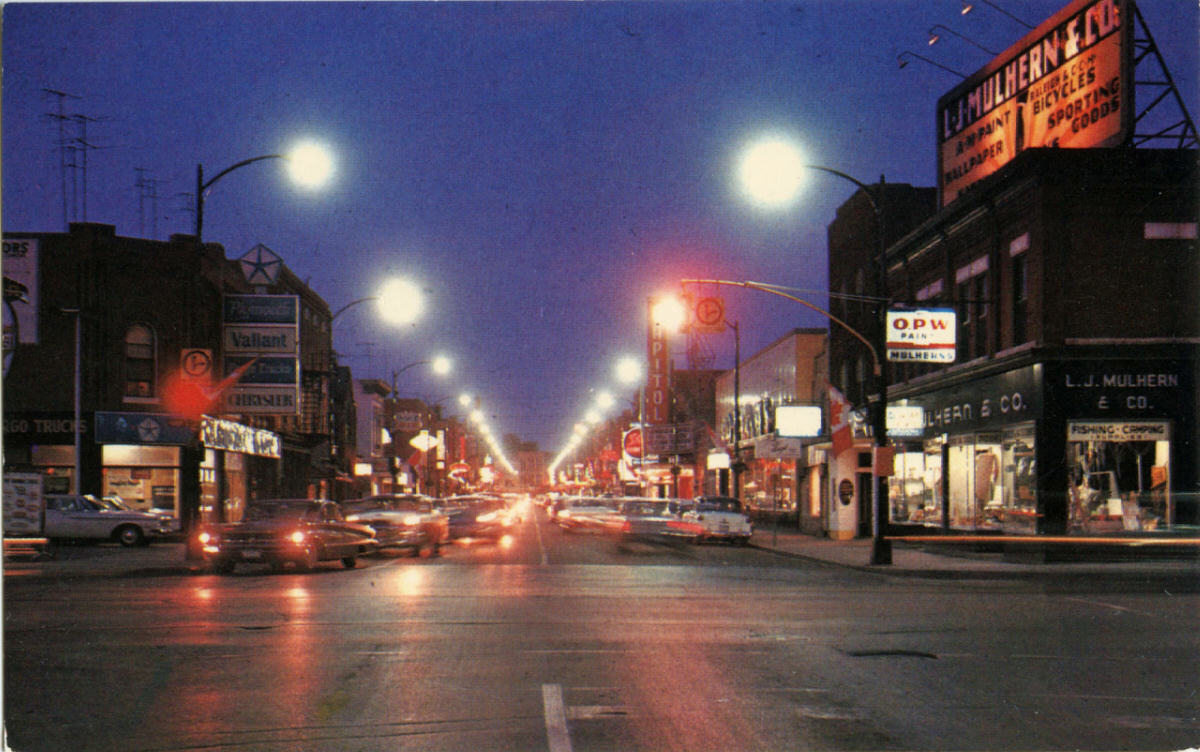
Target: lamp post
[(771, 173), (310, 166), (441, 366)]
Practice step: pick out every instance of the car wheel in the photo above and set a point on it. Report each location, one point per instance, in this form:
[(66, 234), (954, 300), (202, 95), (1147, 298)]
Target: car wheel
[(130, 535), (308, 560), (349, 562)]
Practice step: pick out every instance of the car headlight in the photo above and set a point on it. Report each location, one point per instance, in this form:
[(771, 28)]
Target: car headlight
[(489, 517), (206, 538), (412, 520), (297, 536)]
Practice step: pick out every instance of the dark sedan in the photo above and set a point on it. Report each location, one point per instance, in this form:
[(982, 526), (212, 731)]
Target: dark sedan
[(476, 517), (401, 521), (278, 532)]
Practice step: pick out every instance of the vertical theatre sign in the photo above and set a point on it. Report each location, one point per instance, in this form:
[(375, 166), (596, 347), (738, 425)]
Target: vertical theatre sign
[(1066, 84), (261, 334), (658, 376)]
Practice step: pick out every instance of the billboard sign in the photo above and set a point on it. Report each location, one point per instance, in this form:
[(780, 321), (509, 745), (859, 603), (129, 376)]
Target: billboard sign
[(261, 309), (262, 332), (926, 335), (21, 268), (1066, 84)]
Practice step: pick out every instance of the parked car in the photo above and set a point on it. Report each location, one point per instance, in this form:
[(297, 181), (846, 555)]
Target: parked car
[(720, 518), (588, 514), (478, 516), (69, 516), (277, 532), (401, 521), (654, 521)]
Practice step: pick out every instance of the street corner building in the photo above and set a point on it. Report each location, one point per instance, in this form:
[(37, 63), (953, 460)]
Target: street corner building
[(154, 371)]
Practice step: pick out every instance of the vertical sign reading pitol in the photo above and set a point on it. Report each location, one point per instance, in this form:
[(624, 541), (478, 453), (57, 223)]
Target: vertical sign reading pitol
[(1066, 84), (658, 375)]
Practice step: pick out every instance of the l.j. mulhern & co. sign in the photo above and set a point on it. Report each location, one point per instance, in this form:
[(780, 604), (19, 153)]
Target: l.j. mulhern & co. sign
[(1065, 84)]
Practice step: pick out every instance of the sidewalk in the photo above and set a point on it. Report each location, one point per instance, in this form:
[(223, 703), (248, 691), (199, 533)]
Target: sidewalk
[(945, 561)]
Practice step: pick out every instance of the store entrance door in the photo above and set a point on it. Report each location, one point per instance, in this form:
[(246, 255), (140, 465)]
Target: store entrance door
[(864, 505)]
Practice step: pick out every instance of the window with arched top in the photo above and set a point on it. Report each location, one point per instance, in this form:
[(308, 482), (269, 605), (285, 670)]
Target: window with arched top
[(139, 361)]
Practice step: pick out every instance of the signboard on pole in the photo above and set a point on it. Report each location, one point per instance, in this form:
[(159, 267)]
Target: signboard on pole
[(927, 335), (262, 333)]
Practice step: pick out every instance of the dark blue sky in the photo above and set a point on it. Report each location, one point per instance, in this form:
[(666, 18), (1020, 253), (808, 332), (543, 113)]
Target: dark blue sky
[(540, 168)]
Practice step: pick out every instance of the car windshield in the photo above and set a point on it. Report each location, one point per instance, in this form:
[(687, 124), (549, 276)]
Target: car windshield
[(645, 508), (413, 505), (281, 510), (358, 506)]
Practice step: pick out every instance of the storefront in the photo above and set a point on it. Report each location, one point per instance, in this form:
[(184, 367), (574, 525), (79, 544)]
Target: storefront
[(1089, 446), (240, 463), (769, 488), (44, 442)]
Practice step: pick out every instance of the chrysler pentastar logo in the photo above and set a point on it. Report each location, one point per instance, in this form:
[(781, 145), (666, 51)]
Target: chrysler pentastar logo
[(149, 430), (261, 265)]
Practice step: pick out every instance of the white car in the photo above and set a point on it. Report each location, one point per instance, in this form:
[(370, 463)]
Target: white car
[(71, 516), (720, 518), (588, 514)]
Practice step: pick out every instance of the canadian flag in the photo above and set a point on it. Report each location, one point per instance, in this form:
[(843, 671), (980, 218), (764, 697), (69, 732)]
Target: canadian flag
[(839, 421)]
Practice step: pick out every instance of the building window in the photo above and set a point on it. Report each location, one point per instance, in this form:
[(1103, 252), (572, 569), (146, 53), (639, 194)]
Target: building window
[(1020, 299), (1170, 231), (139, 361)]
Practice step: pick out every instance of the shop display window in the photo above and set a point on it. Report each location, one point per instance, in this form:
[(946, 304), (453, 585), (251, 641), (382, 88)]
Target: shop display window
[(1019, 480), (145, 477), (915, 488), (57, 466), (976, 487), (1120, 478)]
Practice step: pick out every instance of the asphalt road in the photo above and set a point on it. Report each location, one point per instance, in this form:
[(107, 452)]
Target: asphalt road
[(554, 641)]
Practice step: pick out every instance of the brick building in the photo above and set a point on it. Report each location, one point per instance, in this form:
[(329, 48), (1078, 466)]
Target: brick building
[(141, 306), (1071, 407)]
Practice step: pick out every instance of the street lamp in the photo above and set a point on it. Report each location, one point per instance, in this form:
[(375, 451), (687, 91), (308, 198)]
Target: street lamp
[(900, 59), (772, 172), (309, 164), (934, 37)]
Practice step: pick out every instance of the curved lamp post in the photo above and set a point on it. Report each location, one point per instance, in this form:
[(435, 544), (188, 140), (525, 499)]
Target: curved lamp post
[(771, 173), (310, 165)]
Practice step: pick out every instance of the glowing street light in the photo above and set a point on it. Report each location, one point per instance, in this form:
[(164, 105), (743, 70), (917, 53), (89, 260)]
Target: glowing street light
[(400, 301), (669, 312), (309, 165), (629, 370)]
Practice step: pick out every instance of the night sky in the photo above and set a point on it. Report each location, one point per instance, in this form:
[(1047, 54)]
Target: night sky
[(539, 168)]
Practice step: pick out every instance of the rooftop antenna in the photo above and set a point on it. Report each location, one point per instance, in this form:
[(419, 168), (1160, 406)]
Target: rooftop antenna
[(61, 117)]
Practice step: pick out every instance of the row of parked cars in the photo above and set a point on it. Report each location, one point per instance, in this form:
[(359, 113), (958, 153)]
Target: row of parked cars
[(695, 520), (304, 532)]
